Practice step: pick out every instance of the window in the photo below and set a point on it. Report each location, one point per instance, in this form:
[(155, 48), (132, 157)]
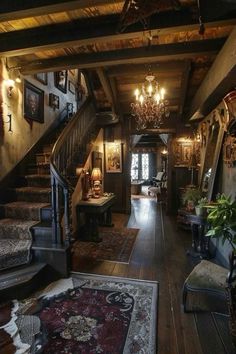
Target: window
[(140, 166), (134, 166)]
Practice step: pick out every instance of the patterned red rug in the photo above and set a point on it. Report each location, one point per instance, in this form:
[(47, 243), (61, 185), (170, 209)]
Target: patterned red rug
[(116, 246), (98, 314)]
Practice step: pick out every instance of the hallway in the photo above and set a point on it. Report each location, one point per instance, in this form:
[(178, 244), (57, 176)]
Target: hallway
[(159, 254)]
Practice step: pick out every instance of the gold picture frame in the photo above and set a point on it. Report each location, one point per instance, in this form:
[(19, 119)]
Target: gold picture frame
[(113, 157)]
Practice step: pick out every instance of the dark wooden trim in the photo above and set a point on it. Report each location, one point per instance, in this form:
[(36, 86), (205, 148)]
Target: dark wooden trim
[(130, 55)]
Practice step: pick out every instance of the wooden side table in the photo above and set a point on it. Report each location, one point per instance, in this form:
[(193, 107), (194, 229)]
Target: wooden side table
[(182, 219), (200, 242), (97, 212)]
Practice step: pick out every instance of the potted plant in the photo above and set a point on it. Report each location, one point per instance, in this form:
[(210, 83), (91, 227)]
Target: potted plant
[(200, 208), (222, 222), (191, 197)]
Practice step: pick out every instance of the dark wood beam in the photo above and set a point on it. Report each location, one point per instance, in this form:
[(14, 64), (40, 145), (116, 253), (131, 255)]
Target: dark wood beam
[(220, 79), (163, 52), (15, 10), (107, 89), (141, 69), (92, 30), (184, 85)]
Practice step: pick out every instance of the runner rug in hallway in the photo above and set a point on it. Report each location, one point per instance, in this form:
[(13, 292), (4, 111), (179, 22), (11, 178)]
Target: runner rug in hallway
[(116, 246), (90, 314)]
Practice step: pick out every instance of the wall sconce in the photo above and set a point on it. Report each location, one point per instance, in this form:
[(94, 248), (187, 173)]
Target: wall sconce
[(164, 151), (9, 122), (9, 85), (96, 177)]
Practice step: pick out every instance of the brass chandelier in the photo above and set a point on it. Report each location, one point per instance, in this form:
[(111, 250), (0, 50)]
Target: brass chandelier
[(150, 107)]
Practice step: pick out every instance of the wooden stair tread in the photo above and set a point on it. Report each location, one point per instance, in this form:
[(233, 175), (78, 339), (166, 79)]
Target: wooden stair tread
[(10, 278), (44, 224), (49, 246)]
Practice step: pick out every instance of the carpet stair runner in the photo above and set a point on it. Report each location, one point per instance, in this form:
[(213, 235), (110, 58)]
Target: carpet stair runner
[(21, 215), (25, 216), (25, 225)]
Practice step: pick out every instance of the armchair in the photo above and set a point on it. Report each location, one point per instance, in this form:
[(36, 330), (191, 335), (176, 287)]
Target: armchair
[(159, 180)]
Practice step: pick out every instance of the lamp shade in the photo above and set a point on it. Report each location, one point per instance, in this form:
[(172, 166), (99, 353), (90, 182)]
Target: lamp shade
[(96, 174)]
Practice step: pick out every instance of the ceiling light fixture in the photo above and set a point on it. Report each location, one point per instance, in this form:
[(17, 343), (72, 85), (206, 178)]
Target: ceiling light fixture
[(150, 107)]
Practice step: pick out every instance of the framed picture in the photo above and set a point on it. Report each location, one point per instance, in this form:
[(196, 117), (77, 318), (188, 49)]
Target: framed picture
[(182, 153), (60, 78), (113, 157), (42, 77), (229, 152), (70, 109), (54, 101), (33, 102), (72, 87), (97, 159)]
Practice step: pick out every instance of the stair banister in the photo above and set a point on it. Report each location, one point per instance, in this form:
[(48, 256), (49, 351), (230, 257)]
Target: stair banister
[(64, 150)]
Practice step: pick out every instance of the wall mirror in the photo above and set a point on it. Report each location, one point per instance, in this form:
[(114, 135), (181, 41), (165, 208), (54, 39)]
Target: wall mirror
[(213, 148)]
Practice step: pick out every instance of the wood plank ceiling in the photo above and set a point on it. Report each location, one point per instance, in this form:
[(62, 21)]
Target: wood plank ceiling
[(117, 47)]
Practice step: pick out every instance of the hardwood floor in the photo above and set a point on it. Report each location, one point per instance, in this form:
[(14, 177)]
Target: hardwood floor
[(159, 254)]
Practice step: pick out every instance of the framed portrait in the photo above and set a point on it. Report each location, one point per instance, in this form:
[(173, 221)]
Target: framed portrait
[(33, 102), (229, 152), (42, 77), (113, 157), (60, 78), (72, 87), (54, 101), (182, 153), (70, 109), (97, 159)]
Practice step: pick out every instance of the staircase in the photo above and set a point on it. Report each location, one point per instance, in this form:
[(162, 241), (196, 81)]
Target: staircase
[(26, 218)]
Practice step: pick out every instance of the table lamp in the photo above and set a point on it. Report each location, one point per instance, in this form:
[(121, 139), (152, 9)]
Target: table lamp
[(96, 178)]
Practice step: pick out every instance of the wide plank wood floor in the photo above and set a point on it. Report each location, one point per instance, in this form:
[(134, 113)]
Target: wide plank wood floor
[(159, 254)]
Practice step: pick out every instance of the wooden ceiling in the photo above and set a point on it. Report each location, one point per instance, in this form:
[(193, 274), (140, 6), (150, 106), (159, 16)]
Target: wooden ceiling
[(117, 47)]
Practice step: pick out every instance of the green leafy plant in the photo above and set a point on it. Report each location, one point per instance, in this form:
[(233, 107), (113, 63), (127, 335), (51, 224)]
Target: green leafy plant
[(200, 206), (202, 202), (222, 220), (192, 194)]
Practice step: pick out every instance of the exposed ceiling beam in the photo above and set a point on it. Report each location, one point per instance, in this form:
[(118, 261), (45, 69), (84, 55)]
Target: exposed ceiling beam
[(184, 86), (81, 33), (107, 89), (15, 10), (163, 52), (141, 69), (220, 79)]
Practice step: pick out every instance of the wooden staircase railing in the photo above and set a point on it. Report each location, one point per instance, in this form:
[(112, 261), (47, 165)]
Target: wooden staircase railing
[(64, 152)]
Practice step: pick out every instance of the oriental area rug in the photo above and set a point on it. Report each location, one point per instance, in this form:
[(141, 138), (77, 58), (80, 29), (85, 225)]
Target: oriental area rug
[(88, 314), (116, 246)]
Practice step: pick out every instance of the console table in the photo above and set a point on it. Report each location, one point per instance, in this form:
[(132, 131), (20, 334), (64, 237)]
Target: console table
[(96, 212)]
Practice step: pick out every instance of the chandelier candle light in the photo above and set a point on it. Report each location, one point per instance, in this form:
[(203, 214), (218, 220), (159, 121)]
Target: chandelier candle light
[(150, 107)]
